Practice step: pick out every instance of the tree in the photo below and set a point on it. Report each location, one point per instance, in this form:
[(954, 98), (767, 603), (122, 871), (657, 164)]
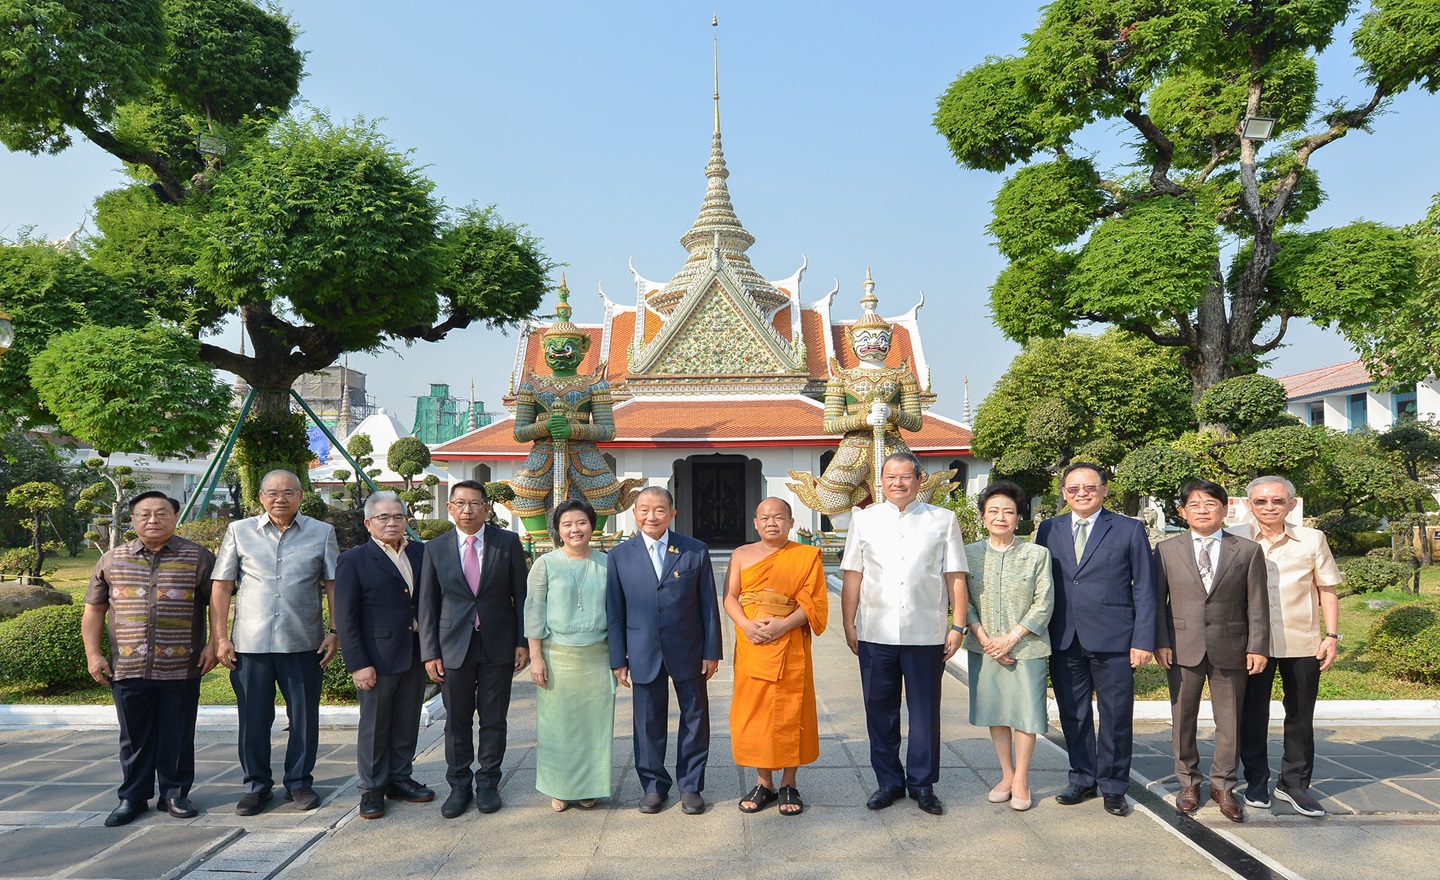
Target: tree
[(27, 460), (49, 291), (1091, 398), (107, 494), (322, 238), (136, 390), (37, 500), (408, 457), (1416, 446), (1156, 471), (1140, 249)]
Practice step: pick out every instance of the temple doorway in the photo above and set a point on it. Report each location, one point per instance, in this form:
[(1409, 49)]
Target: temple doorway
[(715, 498)]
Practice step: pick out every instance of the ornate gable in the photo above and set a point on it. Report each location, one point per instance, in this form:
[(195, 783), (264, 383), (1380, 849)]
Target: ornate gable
[(716, 332)]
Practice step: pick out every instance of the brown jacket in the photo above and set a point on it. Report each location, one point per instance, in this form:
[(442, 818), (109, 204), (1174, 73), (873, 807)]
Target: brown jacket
[(1232, 621)]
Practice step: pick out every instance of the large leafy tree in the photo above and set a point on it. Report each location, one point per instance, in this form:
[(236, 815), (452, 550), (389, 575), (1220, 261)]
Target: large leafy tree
[(1140, 248), (1093, 398), (321, 237)]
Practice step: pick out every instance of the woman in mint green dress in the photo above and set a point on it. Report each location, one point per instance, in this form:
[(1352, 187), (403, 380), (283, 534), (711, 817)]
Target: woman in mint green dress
[(1011, 599), (570, 663)]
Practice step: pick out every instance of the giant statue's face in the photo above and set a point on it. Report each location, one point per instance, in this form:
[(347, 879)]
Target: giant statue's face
[(871, 344), (564, 353)]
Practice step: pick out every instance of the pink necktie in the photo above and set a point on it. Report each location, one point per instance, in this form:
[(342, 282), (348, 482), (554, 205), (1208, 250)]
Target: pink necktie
[(472, 570)]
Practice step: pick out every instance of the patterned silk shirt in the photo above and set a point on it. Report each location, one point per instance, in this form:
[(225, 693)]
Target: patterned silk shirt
[(157, 605), (280, 578)]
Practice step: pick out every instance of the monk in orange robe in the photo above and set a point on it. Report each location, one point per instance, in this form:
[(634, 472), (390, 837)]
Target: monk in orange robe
[(775, 593)]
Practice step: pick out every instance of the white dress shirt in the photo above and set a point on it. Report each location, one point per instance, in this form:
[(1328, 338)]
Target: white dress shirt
[(1196, 543), (903, 557)]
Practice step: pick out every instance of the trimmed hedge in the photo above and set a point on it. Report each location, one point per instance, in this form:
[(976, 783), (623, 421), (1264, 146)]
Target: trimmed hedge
[(430, 529), (1405, 642), (1364, 574), (43, 648)]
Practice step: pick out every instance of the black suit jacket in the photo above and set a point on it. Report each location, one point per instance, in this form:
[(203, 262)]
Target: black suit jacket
[(374, 613), (448, 609)]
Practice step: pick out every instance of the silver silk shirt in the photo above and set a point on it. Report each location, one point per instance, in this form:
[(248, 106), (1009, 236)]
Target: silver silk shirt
[(280, 581), (903, 559)]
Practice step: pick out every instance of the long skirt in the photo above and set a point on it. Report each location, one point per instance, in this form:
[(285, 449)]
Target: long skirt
[(575, 723), (1008, 696)]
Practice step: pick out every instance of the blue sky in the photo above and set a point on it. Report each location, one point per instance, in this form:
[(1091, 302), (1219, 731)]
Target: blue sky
[(590, 123)]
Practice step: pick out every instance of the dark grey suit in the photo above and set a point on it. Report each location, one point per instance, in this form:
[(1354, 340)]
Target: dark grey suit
[(479, 660), (1210, 635)]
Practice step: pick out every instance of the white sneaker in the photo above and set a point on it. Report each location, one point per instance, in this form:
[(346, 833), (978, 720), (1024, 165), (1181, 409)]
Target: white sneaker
[(1301, 801)]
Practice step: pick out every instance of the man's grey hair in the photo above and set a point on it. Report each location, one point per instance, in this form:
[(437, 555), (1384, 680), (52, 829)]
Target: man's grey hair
[(1261, 481), (658, 490), (382, 497), (280, 472), (903, 456)]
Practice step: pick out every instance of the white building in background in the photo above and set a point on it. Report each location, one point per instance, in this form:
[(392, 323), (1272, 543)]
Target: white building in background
[(176, 477), (383, 430), (1343, 398)]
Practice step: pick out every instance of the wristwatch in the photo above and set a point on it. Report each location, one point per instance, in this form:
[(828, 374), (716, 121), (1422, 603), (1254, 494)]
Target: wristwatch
[(962, 630), (1336, 636)]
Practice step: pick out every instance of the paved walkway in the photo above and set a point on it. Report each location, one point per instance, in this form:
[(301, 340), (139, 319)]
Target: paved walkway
[(56, 787)]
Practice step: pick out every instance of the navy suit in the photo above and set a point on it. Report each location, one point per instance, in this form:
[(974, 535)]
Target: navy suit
[(375, 617), (1105, 604), (663, 629), (479, 660)]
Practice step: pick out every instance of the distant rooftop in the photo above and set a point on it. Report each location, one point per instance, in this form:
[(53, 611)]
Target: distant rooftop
[(1323, 380)]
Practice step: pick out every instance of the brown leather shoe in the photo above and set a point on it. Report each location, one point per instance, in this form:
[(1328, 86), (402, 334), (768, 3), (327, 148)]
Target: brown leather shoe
[(1229, 805), (1187, 800)]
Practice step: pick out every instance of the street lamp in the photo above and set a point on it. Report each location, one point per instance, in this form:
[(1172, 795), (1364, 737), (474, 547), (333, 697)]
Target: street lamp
[(1257, 128), (7, 333)]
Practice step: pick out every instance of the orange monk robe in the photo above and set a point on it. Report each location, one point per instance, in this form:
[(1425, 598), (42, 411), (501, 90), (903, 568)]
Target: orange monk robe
[(772, 715)]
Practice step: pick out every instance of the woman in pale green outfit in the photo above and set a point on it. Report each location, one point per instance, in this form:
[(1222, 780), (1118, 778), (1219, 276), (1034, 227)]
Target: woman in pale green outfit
[(1011, 599), (570, 663)]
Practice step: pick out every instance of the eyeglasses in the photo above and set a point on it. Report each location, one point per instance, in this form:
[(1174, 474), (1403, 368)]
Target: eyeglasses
[(1198, 506), (471, 505), (280, 493), (1269, 502), (153, 514), (385, 518), (1086, 489)]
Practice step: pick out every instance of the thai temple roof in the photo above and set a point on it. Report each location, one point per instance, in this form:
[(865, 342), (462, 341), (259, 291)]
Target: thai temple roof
[(718, 333)]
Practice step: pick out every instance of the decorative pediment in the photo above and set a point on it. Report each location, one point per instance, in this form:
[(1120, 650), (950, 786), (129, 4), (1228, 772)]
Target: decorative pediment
[(717, 330)]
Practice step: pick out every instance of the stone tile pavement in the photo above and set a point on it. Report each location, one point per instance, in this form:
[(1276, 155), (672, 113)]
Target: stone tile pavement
[(56, 787)]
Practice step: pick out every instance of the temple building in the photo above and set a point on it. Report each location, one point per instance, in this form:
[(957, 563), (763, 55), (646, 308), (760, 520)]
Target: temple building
[(718, 378)]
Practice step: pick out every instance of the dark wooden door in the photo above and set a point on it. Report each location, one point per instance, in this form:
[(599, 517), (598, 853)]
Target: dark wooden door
[(719, 501)]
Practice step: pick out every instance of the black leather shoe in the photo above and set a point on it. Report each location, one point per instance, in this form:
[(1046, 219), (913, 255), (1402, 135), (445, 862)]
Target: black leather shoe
[(692, 803), (884, 797), (410, 791), (180, 808), (304, 798), (928, 801), (1116, 805), (125, 813), (252, 803), (1074, 794), (651, 802), (372, 804), (456, 803), (487, 799)]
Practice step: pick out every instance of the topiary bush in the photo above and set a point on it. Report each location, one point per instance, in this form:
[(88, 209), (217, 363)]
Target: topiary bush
[(1405, 642), (207, 532), (1366, 575), (430, 529), (43, 649), (336, 685)]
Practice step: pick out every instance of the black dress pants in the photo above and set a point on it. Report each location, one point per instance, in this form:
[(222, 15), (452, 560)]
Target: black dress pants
[(1300, 682), (157, 736), (474, 689), (255, 678)]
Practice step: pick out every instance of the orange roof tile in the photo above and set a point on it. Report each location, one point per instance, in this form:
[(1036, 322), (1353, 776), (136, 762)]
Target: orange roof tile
[(1351, 374), (748, 422), (815, 355)]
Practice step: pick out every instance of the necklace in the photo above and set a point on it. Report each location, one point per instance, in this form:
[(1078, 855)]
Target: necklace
[(581, 580)]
